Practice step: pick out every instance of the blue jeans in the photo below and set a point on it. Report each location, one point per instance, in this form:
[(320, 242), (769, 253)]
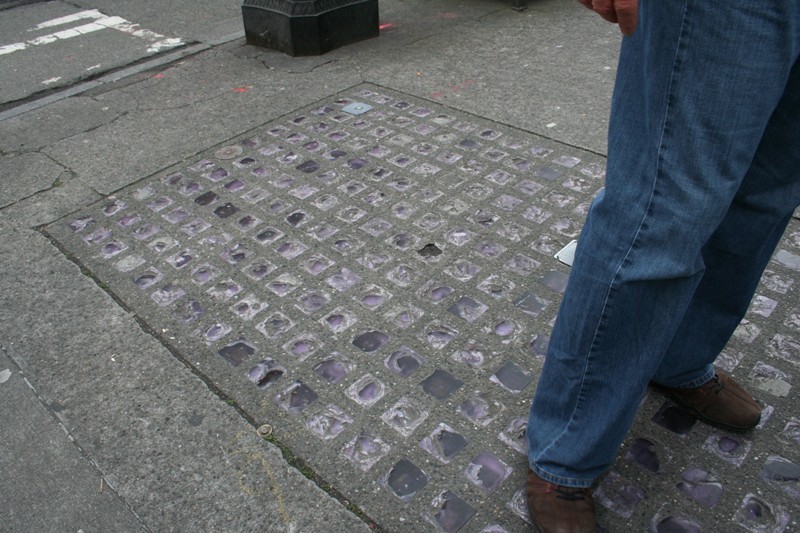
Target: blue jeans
[(703, 176)]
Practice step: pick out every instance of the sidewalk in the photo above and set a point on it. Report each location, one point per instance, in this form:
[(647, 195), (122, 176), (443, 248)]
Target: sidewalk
[(221, 244)]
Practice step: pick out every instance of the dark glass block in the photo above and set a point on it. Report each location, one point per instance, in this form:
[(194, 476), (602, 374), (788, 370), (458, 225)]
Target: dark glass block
[(236, 352), (206, 198), (405, 479), (643, 453), (226, 210), (248, 222), (674, 419), (308, 167), (444, 443), (429, 250), (512, 377), (297, 218), (218, 175), (453, 512), (371, 341), (441, 384)]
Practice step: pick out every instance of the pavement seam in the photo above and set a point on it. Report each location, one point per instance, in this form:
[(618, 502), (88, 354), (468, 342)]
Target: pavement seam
[(104, 483), (291, 459)]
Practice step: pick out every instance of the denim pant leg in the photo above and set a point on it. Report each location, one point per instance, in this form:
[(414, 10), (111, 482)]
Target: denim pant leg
[(737, 254), (696, 86)]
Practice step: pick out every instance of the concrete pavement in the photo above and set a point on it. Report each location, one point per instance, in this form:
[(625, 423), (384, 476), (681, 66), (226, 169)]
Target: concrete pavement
[(121, 415)]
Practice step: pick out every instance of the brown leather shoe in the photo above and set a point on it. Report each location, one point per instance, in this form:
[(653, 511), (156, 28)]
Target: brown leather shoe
[(720, 402), (557, 509)]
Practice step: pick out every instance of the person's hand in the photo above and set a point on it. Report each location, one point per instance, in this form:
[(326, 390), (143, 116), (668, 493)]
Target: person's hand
[(622, 12)]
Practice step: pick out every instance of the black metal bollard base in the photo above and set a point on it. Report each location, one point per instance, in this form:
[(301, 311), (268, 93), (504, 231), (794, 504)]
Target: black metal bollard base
[(309, 27)]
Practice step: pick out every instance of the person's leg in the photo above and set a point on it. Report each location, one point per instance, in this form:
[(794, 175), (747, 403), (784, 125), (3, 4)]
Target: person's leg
[(696, 86), (738, 252)]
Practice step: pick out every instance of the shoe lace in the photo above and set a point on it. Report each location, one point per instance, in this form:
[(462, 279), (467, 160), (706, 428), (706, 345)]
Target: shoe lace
[(718, 385)]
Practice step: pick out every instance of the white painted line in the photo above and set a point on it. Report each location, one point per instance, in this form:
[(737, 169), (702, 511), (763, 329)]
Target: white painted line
[(7, 49), (89, 14), (44, 39), (156, 41), (51, 80)]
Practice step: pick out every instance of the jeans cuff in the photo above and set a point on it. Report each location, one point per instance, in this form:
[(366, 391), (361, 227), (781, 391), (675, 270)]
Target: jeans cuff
[(692, 384), (561, 480), (697, 382)]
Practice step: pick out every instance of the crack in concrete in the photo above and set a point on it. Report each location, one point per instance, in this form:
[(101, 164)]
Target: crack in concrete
[(56, 183)]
